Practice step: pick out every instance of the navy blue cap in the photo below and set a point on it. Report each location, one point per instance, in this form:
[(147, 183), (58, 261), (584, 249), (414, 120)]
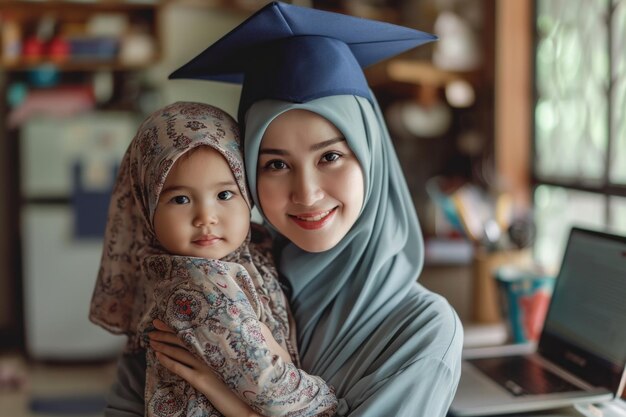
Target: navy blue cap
[(298, 54)]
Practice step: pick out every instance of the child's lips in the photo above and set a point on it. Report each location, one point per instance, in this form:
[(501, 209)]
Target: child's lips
[(207, 240)]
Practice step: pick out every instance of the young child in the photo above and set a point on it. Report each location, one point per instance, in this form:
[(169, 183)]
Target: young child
[(179, 248)]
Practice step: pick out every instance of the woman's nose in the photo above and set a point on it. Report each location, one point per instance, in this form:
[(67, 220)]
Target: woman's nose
[(306, 189), (205, 216)]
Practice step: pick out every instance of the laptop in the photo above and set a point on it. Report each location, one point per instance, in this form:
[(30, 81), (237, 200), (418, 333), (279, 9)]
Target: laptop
[(581, 352)]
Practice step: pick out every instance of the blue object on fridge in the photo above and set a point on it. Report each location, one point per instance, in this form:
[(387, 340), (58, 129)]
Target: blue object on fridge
[(90, 206)]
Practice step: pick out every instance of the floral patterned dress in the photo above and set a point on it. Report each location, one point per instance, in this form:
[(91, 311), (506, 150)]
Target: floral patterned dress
[(215, 308)]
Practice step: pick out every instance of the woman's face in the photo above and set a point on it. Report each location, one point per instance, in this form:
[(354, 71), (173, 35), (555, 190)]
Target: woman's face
[(310, 184)]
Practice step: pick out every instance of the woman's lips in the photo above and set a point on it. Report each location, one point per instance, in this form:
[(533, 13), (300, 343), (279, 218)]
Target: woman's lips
[(312, 221)]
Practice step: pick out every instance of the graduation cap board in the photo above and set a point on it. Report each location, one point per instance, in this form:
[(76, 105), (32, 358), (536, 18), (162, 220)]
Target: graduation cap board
[(298, 54)]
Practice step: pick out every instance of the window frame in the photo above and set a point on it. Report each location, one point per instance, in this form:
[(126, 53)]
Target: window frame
[(605, 188)]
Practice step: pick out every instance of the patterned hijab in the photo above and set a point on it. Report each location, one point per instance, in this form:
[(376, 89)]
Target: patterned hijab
[(341, 297), (120, 296)]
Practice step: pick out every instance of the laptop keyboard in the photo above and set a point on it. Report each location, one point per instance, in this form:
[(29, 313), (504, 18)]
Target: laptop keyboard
[(523, 376)]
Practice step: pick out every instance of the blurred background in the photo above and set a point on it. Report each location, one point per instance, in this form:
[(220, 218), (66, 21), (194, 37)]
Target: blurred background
[(510, 129)]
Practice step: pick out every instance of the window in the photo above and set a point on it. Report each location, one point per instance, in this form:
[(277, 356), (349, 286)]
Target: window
[(579, 164)]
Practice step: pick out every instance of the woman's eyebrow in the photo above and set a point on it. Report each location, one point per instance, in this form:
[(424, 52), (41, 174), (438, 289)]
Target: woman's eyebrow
[(314, 147), (326, 143), (272, 151)]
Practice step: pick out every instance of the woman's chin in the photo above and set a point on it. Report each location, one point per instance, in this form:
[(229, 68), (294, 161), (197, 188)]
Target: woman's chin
[(315, 245)]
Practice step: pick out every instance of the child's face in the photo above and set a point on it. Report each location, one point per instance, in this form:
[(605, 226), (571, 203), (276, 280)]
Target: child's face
[(201, 211)]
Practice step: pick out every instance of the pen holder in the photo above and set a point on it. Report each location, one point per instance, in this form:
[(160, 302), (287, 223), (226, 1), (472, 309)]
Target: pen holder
[(485, 298)]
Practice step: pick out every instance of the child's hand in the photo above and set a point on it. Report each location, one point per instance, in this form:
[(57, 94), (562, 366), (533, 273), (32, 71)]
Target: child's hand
[(165, 334)]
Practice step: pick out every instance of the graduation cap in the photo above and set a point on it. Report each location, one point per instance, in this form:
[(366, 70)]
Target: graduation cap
[(298, 54)]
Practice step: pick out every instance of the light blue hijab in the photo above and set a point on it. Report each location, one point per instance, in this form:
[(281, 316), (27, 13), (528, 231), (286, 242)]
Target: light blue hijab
[(362, 319)]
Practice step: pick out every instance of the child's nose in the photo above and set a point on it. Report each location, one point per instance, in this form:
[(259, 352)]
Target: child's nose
[(205, 216)]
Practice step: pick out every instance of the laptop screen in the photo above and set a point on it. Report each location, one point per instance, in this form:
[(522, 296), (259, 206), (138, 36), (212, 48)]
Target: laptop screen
[(585, 328)]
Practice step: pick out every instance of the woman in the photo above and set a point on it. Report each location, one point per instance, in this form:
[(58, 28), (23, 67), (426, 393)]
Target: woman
[(322, 170)]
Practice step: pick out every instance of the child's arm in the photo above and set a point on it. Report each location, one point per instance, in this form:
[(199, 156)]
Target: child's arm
[(213, 317), (201, 377), (171, 338), (273, 345)]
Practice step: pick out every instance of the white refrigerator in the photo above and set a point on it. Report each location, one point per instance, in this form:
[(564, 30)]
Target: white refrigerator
[(61, 229)]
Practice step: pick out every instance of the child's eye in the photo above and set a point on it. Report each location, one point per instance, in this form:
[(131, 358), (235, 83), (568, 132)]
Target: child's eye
[(331, 157), (180, 199), (225, 195), (275, 165)]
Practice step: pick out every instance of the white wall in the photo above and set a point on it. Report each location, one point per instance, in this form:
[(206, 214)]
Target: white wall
[(186, 31)]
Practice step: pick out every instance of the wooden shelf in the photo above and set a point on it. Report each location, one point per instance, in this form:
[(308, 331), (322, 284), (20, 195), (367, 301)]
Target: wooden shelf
[(411, 71), (35, 8), (75, 66), (70, 20)]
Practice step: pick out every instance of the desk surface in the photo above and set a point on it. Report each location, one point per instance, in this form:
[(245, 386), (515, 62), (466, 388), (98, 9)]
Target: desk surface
[(616, 408)]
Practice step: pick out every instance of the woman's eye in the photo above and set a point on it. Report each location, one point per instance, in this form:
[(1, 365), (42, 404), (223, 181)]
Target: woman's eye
[(275, 165), (330, 157), (225, 195), (180, 199)]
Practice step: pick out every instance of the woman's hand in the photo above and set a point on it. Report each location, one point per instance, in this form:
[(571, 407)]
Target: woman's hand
[(173, 355)]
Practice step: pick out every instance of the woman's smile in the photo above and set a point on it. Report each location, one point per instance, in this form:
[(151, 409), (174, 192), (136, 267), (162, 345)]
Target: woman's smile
[(312, 221)]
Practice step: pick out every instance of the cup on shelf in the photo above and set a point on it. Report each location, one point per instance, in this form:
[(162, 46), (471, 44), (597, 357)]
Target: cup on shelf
[(524, 298)]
